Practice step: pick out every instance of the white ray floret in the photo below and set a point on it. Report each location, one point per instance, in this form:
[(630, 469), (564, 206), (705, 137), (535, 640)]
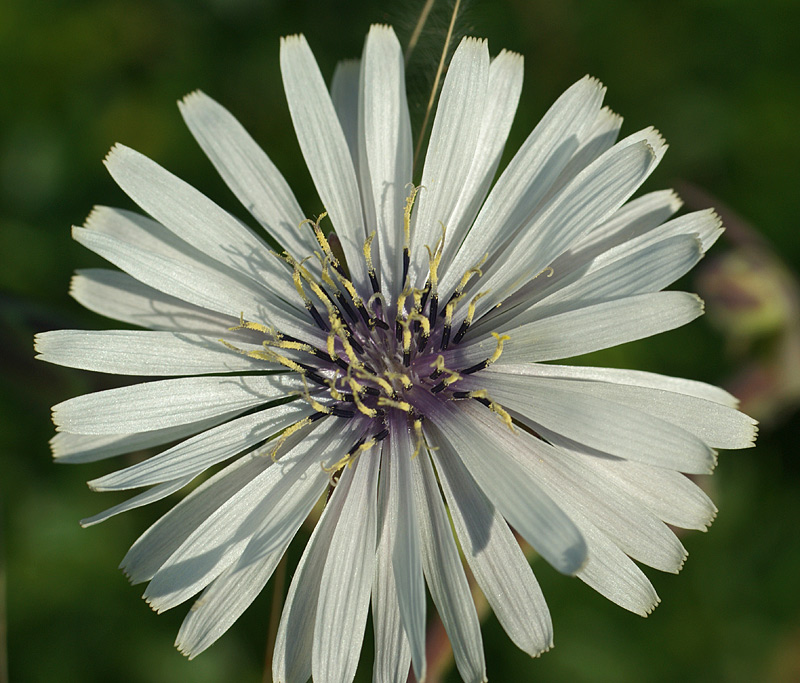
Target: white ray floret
[(397, 374)]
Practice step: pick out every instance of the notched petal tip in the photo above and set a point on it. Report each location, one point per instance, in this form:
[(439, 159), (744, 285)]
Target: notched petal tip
[(514, 58), (675, 202), (651, 608), (94, 215), (117, 150), (380, 28), (39, 340), (293, 40), (593, 81), (473, 43)]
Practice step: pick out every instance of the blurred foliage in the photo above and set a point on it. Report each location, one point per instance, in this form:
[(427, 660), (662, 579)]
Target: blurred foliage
[(719, 79)]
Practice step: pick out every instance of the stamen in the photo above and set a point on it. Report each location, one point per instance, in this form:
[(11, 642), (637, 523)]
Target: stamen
[(378, 380), (470, 315), (399, 405), (438, 364), (348, 341), (373, 278), (492, 359), (401, 377), (434, 259), (406, 325), (357, 390), (328, 280), (308, 398), (244, 325), (420, 438), (322, 241), (288, 432), (425, 324), (407, 230), (452, 375), (448, 321)]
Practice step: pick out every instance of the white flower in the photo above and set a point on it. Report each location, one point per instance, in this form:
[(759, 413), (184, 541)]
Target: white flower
[(410, 373)]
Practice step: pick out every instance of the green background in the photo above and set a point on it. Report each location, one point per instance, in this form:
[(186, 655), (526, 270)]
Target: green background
[(721, 81)]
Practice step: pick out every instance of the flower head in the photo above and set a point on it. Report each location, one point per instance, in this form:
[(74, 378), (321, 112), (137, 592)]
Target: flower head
[(397, 368)]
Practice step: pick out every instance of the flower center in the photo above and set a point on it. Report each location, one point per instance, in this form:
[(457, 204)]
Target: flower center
[(381, 356)]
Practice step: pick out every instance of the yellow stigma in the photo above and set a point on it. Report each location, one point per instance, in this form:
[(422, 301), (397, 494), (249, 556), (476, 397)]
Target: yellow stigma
[(434, 258), (368, 252), (467, 276), (471, 307), (244, 325), (390, 403), (321, 239), (287, 433), (499, 350), (412, 196)]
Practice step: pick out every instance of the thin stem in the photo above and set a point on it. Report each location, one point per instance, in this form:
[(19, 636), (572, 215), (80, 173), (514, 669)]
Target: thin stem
[(279, 580), (435, 88), (423, 18)]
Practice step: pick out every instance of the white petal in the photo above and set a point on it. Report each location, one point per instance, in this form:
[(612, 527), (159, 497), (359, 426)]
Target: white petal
[(404, 531), (628, 270), (445, 574), (634, 378), (168, 403), (145, 498), (607, 569), (193, 217), (74, 448), (634, 218), (325, 150), (392, 652), (119, 296), (676, 499), (613, 574), (222, 603), (344, 96), (346, 582), (197, 283), (528, 175), (221, 539), (232, 592), (502, 96), (451, 148), (155, 545), (248, 171), (649, 268), (387, 140), (627, 523), (496, 560), (161, 354), (614, 428), (599, 138), (586, 329), (194, 455), (704, 227), (291, 662), (473, 432), (637, 217), (591, 197), (717, 425)]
